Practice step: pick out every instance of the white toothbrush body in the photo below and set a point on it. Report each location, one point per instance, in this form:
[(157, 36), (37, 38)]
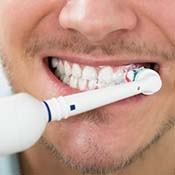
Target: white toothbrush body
[(23, 118)]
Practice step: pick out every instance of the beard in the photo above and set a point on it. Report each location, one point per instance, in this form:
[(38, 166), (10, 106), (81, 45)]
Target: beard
[(99, 162)]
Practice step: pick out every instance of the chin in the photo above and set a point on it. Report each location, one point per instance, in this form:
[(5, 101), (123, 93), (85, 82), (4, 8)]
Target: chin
[(89, 143)]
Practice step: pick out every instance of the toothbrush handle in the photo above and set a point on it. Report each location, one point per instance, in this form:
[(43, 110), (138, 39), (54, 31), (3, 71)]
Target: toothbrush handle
[(147, 82), (86, 101), (64, 107), (22, 122)]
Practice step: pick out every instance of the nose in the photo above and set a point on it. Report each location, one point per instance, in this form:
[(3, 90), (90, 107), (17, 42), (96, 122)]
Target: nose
[(97, 18)]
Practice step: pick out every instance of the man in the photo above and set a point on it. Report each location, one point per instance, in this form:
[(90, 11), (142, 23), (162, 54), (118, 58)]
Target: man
[(41, 41)]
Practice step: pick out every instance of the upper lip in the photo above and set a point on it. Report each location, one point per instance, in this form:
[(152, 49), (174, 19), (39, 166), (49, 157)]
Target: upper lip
[(100, 60)]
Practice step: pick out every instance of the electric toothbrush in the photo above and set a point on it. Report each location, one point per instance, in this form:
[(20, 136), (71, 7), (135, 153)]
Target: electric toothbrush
[(23, 118)]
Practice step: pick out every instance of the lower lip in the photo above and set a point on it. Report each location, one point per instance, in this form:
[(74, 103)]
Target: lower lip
[(67, 90)]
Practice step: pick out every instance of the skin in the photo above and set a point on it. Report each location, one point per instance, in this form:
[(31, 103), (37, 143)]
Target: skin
[(105, 139)]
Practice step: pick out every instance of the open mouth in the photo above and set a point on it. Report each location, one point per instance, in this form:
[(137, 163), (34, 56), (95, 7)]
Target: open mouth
[(86, 77)]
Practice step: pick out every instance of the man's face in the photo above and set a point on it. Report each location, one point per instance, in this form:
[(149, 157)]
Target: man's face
[(93, 33)]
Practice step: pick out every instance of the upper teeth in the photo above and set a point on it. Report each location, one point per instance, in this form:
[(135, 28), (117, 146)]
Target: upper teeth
[(76, 71), (89, 73), (88, 77)]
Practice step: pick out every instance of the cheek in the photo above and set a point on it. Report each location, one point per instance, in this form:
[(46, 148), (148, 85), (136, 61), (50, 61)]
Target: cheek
[(18, 19), (161, 14), (16, 25), (30, 76)]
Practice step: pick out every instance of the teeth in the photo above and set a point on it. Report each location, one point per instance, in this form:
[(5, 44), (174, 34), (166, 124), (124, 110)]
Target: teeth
[(92, 84), (60, 68), (105, 75), (67, 67), (118, 76), (82, 83), (103, 84), (54, 62), (73, 82), (66, 80), (88, 77), (76, 71), (89, 73)]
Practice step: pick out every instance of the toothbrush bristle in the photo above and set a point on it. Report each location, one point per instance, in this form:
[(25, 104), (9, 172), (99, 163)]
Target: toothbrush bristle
[(130, 75)]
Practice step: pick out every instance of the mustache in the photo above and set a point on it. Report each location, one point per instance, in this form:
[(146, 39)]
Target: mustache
[(75, 44)]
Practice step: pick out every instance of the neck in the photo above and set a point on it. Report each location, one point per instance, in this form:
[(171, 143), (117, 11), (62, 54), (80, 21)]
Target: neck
[(39, 161)]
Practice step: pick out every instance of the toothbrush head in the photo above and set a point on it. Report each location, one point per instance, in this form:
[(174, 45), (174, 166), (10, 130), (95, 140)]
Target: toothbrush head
[(131, 75), (151, 81)]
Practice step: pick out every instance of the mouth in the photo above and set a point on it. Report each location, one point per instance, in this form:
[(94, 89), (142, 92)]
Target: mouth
[(114, 122), (83, 77)]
